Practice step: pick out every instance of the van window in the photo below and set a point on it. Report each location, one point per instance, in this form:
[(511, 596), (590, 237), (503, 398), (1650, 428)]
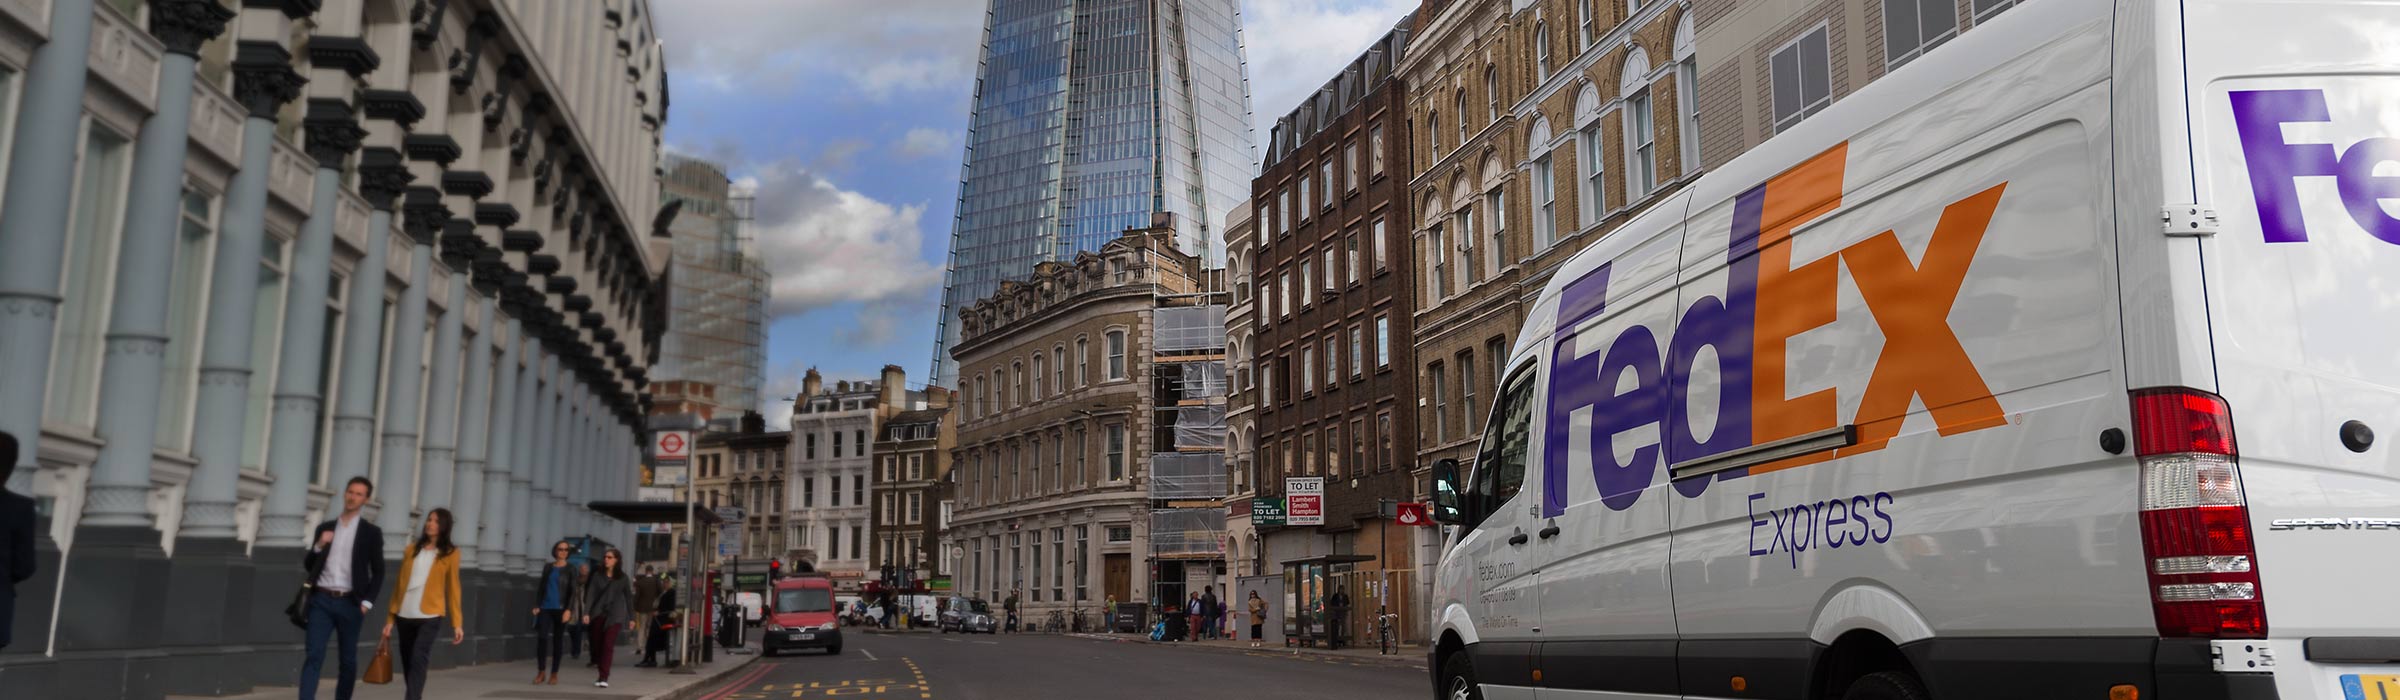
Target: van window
[(793, 600), (1500, 467)]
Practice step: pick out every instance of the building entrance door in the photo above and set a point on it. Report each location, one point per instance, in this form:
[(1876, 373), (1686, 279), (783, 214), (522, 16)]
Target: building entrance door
[(1117, 576)]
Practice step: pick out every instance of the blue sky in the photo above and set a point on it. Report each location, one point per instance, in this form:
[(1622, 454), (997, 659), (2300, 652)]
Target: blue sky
[(849, 117)]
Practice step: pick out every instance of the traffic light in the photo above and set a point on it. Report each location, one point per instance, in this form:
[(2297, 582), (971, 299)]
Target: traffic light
[(774, 570)]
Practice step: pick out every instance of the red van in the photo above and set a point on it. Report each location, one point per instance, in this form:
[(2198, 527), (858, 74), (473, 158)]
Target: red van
[(800, 615)]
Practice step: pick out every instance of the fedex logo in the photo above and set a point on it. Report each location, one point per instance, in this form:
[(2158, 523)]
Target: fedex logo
[(1636, 385), (2276, 165)]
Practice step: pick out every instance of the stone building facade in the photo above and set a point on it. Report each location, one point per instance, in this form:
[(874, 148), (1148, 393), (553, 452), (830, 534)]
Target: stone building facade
[(745, 468), (912, 490), (1243, 556), (832, 456), (1056, 425), (252, 250)]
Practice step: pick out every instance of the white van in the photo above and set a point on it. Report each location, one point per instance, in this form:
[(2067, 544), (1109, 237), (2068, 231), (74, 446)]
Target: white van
[(1937, 395)]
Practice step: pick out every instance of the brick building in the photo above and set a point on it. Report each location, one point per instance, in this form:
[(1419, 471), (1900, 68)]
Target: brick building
[(912, 490), (1333, 322)]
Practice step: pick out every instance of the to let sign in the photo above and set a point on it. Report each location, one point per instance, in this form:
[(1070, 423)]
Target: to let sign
[(1266, 511), (1304, 499)]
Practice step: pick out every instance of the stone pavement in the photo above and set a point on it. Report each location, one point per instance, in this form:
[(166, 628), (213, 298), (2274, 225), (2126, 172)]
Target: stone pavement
[(1408, 656), (514, 680)]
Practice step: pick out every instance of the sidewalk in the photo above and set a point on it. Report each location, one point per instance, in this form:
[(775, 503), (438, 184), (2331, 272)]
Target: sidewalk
[(514, 680), (1408, 656)]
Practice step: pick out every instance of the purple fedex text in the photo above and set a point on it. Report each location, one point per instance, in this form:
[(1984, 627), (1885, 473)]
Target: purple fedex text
[(2276, 165)]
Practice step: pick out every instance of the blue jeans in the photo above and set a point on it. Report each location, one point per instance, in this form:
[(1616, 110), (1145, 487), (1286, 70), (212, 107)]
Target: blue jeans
[(327, 616)]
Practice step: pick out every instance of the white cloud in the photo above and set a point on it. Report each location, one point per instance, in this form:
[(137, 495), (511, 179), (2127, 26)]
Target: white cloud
[(825, 245), (1295, 46), (928, 143), (879, 48)]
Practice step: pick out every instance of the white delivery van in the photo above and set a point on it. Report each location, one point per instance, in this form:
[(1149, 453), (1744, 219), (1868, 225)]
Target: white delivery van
[(2063, 362)]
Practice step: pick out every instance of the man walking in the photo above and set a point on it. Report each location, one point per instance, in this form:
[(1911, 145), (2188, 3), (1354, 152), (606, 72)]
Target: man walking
[(645, 601), (345, 561), (1211, 610), (16, 538)]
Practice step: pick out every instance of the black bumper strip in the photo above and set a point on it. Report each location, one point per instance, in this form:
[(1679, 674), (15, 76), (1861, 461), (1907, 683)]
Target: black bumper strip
[(1631, 666), (2354, 650)]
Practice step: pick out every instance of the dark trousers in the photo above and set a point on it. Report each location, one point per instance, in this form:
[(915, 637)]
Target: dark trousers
[(575, 635), (604, 643), (549, 640), (416, 651), (331, 619)]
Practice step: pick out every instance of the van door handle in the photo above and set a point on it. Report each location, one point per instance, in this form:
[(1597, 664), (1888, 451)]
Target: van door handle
[(1518, 539), (1549, 532)]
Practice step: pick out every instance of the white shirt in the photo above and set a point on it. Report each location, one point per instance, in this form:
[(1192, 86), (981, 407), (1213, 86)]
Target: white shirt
[(336, 575), (413, 605)]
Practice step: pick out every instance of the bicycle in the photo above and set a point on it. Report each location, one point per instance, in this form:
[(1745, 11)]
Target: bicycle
[(1078, 623), (1055, 623), (1387, 642)]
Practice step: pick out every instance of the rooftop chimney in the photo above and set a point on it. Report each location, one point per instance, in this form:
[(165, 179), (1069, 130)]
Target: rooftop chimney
[(810, 385), (895, 388)]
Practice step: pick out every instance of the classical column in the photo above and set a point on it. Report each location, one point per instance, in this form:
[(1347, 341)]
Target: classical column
[(362, 345), (444, 482), (137, 326), (521, 464), (474, 411), (493, 543), (333, 133), (403, 380), (33, 227), (542, 525), (562, 481)]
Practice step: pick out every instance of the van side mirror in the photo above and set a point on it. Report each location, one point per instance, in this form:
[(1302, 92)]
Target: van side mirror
[(1446, 493)]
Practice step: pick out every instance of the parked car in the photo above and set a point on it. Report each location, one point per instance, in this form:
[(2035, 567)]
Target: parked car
[(967, 616), (802, 617), (753, 606)]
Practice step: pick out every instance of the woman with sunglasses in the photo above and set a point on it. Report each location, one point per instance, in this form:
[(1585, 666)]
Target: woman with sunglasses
[(429, 592), (607, 605), (561, 598)]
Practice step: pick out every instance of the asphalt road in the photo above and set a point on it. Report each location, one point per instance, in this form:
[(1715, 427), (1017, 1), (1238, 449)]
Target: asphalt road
[(1013, 667)]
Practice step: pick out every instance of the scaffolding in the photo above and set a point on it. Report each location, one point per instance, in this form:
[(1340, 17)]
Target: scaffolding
[(716, 331), (1187, 533)]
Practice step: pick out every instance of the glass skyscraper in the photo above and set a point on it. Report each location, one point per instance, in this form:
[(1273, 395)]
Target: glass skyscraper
[(1090, 117)]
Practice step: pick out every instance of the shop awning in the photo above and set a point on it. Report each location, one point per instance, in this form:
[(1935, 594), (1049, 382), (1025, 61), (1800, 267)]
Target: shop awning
[(653, 512)]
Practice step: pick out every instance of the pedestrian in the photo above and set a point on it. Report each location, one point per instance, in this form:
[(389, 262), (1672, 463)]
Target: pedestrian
[(559, 601), (575, 627), (346, 566), (1258, 617), (607, 606), (1010, 606), (645, 599), (1109, 614), (1212, 609), (16, 538), (1192, 612), (1339, 607), (428, 592), (661, 624)]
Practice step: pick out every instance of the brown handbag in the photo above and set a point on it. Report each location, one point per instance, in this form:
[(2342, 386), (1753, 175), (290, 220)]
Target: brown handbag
[(379, 670)]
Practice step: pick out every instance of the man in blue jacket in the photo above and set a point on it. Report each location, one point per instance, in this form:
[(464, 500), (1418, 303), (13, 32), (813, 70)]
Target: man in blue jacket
[(345, 562), (16, 538)]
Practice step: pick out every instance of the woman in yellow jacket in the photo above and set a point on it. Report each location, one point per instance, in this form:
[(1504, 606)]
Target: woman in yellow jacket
[(428, 593)]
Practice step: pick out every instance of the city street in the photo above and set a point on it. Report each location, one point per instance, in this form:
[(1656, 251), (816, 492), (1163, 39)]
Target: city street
[(952, 667)]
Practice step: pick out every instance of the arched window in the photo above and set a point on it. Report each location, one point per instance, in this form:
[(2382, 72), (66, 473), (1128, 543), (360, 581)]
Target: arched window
[(1583, 16), (1687, 97), (1038, 374), (1433, 136), (1545, 187), (1541, 49), (1491, 92), (1083, 362), (1459, 105), (1641, 157), (1590, 189), (1016, 389), (1058, 367)]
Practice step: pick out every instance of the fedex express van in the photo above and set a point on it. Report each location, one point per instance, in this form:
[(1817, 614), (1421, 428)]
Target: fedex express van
[(2063, 362)]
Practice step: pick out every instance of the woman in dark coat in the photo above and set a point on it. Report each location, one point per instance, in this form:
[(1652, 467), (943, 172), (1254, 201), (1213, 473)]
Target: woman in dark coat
[(607, 606)]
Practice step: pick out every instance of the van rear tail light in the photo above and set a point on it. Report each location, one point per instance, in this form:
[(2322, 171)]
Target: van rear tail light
[(2195, 524)]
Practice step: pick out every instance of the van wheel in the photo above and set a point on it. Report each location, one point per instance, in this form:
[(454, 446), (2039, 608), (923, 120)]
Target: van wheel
[(833, 651), (1458, 678), (1887, 685)]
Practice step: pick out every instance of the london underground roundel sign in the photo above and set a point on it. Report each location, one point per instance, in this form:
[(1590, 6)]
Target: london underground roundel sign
[(673, 444)]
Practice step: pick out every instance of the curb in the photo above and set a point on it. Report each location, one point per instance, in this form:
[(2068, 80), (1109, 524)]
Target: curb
[(1403, 660), (706, 680)]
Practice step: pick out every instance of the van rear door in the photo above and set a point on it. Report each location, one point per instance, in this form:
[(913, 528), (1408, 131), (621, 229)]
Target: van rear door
[(2296, 138)]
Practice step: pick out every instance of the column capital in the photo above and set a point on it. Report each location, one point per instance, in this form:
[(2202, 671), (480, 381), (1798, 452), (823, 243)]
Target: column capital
[(496, 214), (263, 79), (426, 215), (491, 272), (183, 25), (333, 132), (393, 105), (471, 184), (431, 148), (382, 175), (460, 245), (350, 54), (294, 9)]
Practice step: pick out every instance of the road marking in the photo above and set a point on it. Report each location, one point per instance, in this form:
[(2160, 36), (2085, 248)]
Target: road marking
[(870, 655), (746, 679)]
